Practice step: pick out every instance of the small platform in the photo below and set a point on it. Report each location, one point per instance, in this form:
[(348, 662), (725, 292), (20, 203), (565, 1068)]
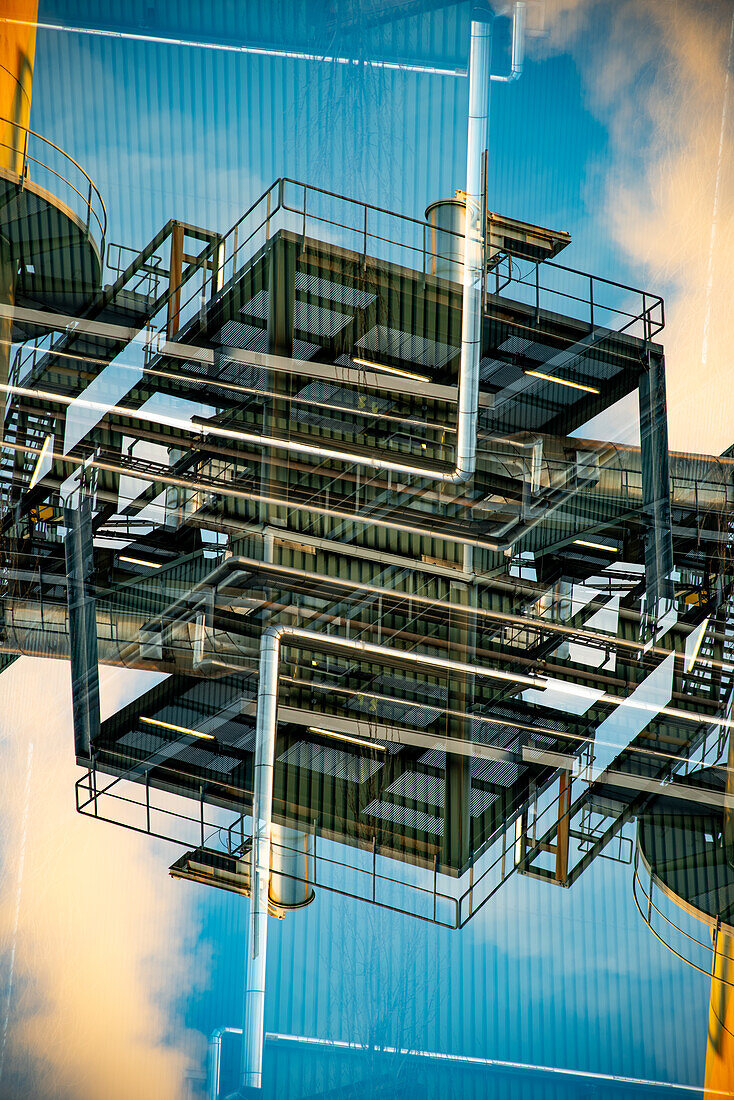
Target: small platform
[(59, 260)]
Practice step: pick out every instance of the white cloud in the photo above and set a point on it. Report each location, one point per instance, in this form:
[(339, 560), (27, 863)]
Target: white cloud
[(658, 79), (102, 944)]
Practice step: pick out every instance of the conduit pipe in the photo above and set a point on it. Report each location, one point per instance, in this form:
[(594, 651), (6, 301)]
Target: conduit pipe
[(497, 540), (262, 809), (518, 45), (471, 312), (215, 1059)]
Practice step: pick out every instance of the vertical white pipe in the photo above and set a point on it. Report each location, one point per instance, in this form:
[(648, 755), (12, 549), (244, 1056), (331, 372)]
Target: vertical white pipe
[(471, 319), (215, 1063), (215, 1059), (518, 39), (265, 733)]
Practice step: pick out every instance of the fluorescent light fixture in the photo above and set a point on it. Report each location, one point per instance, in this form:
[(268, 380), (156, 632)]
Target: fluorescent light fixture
[(596, 546), (343, 737), (392, 370), (139, 561), (561, 381), (701, 634), (178, 729), (39, 470)]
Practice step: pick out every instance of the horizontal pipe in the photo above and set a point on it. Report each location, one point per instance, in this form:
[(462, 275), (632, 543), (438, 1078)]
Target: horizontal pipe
[(499, 541)]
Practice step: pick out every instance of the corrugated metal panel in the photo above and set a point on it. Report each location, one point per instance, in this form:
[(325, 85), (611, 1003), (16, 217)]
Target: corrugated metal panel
[(318, 320), (201, 758), (403, 815), (333, 292), (403, 345), (419, 787), (402, 713), (330, 761), (143, 742), (480, 800)]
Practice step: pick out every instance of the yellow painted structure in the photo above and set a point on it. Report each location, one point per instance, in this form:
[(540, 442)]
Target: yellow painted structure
[(719, 1078), (17, 55)]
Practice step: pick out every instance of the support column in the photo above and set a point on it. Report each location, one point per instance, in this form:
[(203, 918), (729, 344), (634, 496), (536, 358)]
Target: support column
[(564, 827), (656, 490), (82, 626), (8, 273), (281, 313), (175, 274)]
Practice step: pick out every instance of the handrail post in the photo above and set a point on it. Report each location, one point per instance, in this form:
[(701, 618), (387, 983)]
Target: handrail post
[(303, 235), (315, 823), (471, 888), (201, 808), (485, 218), (649, 902), (591, 303), (365, 239), (24, 165), (374, 867)]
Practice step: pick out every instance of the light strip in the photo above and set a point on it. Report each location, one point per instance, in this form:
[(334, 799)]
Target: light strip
[(178, 729), (690, 662), (470, 1060), (344, 737), (561, 381), (390, 370), (41, 458), (596, 546), (569, 688), (226, 47), (139, 561)]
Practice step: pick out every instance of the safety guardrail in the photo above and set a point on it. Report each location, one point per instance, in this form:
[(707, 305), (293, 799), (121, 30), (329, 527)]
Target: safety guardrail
[(32, 156)]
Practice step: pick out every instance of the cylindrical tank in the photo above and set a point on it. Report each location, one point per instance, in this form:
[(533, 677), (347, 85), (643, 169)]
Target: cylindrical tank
[(445, 246), (291, 868)]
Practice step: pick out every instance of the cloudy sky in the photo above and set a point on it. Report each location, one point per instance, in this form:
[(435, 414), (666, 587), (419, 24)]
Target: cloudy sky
[(620, 131)]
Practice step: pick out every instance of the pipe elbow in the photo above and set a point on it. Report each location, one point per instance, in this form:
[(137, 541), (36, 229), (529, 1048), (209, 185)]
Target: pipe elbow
[(219, 1032)]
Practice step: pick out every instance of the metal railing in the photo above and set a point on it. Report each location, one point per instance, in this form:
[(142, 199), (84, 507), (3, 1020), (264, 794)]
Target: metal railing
[(149, 274), (650, 903), (376, 235), (52, 164), (134, 807)]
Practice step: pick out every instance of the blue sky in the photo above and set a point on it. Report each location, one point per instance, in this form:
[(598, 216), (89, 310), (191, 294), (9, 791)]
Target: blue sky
[(196, 133), (544, 976)]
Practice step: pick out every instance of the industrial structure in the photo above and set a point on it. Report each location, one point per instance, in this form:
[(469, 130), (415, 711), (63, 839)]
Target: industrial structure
[(321, 470)]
